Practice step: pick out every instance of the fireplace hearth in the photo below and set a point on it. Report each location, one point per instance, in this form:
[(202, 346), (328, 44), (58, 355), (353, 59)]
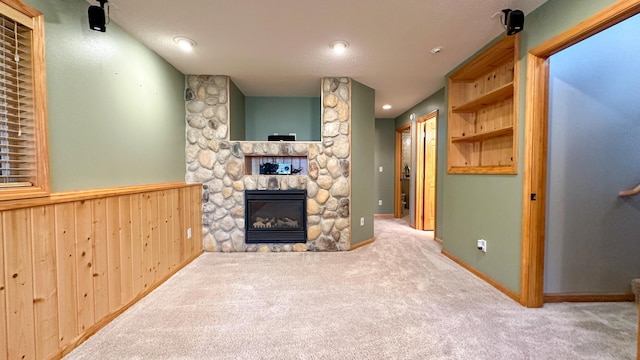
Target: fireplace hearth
[(275, 216)]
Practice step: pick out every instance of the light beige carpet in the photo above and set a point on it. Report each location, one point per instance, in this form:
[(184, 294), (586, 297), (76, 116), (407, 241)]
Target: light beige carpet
[(397, 298)]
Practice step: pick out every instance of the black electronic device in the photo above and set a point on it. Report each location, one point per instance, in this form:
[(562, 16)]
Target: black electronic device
[(281, 138), (513, 21), (97, 18)]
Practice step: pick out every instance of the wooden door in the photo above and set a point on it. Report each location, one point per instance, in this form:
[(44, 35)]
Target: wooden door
[(430, 176), (425, 179), (420, 175)]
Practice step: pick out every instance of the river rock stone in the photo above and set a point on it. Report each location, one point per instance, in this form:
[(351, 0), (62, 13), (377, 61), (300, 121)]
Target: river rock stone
[(313, 170), (340, 187), (343, 208), (334, 168), (313, 232), (330, 115), (196, 106), (331, 129), (330, 100), (343, 111), (342, 223), (235, 169), (325, 181), (207, 159), (322, 197), (300, 247), (341, 148), (312, 207)]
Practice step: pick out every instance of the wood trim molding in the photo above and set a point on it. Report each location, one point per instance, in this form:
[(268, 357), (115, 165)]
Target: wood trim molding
[(608, 17), (438, 240), (362, 243), (106, 320), (22, 7), (535, 177), (482, 276), (556, 298), (69, 196), (384, 216)]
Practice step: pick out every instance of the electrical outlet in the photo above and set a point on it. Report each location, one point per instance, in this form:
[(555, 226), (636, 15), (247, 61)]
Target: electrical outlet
[(189, 233), (482, 245), (379, 202), (361, 221), (380, 169)]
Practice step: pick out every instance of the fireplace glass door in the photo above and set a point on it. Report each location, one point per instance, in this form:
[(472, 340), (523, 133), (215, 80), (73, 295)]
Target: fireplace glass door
[(275, 216)]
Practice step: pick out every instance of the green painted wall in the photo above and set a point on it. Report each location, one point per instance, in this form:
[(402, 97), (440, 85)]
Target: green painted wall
[(490, 206), (237, 116), (116, 109), (384, 157), (362, 161), (435, 102), (282, 115)]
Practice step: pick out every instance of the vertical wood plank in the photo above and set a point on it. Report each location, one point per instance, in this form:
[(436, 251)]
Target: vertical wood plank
[(196, 218), (20, 318), (163, 223), (170, 230), (3, 299), (84, 264), (147, 257), (184, 224), (44, 280), (126, 248), (100, 259), (137, 243), (155, 236), (177, 225), (113, 240), (66, 264)]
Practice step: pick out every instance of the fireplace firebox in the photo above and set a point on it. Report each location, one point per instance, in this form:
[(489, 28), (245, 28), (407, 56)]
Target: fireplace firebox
[(275, 216)]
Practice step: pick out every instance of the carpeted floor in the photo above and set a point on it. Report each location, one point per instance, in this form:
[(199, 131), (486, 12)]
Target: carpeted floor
[(397, 298)]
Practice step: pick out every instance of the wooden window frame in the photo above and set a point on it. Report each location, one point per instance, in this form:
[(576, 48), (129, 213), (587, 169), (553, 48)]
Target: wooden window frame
[(33, 19)]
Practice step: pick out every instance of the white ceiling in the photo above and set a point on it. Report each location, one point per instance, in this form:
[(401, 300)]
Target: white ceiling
[(281, 47)]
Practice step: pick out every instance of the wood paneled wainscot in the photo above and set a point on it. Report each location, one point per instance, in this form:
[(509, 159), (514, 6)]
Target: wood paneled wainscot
[(72, 262)]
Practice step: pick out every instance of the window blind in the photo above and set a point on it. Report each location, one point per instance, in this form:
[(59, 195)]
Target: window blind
[(17, 123)]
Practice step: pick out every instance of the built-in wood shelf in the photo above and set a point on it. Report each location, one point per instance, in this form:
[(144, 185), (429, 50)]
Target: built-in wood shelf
[(483, 170), (484, 135), (502, 93), (482, 122)]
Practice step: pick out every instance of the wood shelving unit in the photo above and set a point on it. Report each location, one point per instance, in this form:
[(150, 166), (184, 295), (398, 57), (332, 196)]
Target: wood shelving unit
[(502, 93), (484, 135), (482, 121)]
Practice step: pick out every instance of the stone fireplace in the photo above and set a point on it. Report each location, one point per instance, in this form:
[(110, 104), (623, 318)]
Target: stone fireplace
[(227, 169)]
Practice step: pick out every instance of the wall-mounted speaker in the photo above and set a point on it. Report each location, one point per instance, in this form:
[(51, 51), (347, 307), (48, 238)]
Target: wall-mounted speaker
[(97, 20), (513, 21)]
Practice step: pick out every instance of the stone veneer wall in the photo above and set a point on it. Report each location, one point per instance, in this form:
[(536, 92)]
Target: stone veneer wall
[(219, 164)]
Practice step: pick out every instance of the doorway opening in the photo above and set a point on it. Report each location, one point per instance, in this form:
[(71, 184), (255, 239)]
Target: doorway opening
[(402, 182), (535, 169), (415, 172)]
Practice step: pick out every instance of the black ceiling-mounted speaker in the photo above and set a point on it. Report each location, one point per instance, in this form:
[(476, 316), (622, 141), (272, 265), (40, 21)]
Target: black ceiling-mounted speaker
[(97, 20), (513, 21)]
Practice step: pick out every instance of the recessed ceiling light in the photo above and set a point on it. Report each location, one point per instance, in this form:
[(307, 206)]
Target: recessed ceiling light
[(339, 46), (436, 50), (184, 43), (386, 107)]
